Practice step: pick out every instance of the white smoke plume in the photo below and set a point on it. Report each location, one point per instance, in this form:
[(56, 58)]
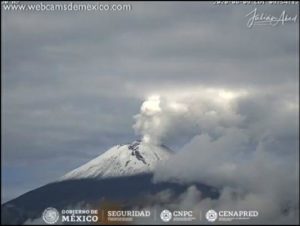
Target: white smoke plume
[(149, 121), (163, 117)]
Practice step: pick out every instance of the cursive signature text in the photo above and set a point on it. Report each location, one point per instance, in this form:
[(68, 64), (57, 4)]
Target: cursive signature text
[(256, 18)]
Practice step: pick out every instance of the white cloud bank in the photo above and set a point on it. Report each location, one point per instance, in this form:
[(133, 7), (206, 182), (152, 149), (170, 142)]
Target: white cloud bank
[(244, 143)]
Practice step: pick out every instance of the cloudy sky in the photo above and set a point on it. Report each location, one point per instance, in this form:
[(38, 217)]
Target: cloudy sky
[(72, 83)]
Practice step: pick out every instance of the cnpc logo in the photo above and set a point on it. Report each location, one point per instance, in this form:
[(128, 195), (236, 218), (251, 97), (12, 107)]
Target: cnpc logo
[(177, 215), (166, 215)]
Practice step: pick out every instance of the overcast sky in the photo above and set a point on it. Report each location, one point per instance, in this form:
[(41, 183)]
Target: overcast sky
[(72, 81)]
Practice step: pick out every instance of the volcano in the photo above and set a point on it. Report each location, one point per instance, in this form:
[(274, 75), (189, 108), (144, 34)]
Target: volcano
[(122, 160), (123, 175)]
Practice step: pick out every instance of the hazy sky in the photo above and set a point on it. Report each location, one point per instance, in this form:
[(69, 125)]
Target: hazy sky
[(72, 81)]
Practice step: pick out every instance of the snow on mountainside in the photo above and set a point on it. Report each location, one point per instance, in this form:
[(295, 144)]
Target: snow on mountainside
[(122, 160)]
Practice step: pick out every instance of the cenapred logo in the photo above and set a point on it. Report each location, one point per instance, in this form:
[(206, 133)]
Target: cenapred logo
[(166, 215), (50, 215), (211, 215)]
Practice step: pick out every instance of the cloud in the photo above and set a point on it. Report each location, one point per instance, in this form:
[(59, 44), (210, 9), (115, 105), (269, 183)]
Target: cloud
[(253, 160)]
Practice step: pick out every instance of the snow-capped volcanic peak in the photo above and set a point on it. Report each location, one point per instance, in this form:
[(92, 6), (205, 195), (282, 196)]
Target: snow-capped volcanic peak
[(122, 160)]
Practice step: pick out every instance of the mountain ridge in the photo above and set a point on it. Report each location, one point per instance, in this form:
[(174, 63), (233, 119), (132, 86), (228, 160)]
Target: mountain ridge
[(122, 160)]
